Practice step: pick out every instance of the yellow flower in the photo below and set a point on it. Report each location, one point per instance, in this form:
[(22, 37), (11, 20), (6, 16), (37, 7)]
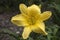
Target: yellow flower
[(31, 19)]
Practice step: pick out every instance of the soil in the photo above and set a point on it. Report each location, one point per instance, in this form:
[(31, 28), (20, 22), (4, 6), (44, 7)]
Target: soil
[(5, 22)]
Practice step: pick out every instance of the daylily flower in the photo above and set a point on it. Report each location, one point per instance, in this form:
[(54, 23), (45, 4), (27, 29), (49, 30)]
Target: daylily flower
[(31, 19)]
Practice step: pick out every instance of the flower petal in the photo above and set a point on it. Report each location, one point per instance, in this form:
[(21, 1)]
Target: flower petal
[(40, 28), (45, 15), (19, 20), (23, 8), (34, 9), (26, 32)]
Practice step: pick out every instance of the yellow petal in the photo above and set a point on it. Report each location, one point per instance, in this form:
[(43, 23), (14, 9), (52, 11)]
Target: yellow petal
[(45, 15), (19, 20), (26, 32), (40, 28), (34, 9), (23, 8)]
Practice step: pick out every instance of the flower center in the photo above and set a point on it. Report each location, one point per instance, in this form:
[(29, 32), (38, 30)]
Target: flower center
[(32, 20)]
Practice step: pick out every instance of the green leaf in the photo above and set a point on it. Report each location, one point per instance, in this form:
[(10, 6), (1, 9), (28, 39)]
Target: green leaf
[(57, 6)]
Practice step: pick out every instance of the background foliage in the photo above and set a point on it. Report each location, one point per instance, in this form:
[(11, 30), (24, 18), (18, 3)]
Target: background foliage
[(9, 8)]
